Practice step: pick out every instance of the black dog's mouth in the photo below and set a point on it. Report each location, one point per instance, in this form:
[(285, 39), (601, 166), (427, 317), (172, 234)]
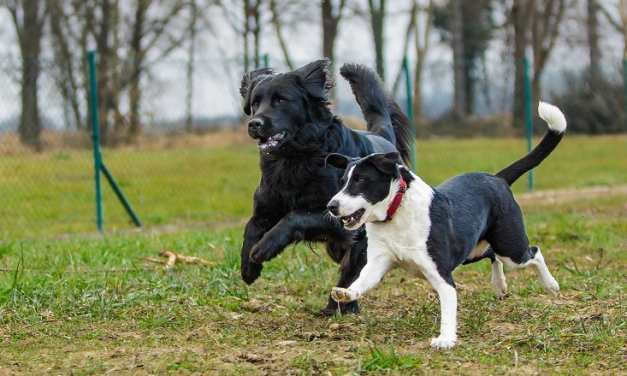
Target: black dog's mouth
[(353, 219), (272, 142)]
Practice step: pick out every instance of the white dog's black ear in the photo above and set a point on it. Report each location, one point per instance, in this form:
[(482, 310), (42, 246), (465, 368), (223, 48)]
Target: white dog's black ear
[(337, 160), (249, 81), (316, 79), (386, 163)]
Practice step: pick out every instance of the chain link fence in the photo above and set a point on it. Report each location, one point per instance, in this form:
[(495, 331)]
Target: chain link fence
[(192, 163)]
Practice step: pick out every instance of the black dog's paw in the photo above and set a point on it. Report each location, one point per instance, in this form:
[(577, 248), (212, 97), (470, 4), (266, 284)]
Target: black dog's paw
[(250, 272), (333, 308), (262, 251)]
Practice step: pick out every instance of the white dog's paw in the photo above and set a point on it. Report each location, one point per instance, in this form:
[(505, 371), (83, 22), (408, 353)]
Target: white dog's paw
[(342, 295), (552, 287), (443, 343)]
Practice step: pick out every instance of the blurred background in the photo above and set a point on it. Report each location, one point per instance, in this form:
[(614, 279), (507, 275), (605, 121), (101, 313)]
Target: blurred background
[(169, 74)]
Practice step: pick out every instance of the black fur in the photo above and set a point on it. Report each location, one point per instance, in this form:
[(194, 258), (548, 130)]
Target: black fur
[(549, 142), (296, 130)]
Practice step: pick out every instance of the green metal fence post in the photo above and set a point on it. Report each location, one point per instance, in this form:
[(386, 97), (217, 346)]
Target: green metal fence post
[(95, 135), (266, 60), (410, 112), (99, 165), (528, 118)]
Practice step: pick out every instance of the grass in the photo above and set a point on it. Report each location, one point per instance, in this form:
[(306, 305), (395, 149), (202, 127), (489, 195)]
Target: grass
[(91, 305), (52, 193)]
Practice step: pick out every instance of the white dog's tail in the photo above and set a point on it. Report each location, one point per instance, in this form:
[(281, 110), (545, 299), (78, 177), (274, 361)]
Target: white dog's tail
[(557, 126)]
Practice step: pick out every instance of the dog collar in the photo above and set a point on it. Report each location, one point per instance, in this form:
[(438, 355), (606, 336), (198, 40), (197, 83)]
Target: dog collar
[(396, 201)]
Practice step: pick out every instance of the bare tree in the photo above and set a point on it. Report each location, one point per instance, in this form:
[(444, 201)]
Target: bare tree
[(278, 29), (409, 32), (520, 15), (459, 64), (619, 24), (191, 59), (29, 18), (545, 27), (331, 17), (421, 45), (148, 34), (377, 23), (251, 30), (592, 28)]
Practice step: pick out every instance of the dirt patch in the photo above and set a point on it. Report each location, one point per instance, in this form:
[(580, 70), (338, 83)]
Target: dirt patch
[(552, 197)]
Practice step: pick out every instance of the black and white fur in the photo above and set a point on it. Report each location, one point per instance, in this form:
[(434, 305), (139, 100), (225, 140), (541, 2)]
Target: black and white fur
[(436, 229), (291, 119)]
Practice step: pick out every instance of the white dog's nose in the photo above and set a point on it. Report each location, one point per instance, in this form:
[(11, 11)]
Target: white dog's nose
[(334, 207)]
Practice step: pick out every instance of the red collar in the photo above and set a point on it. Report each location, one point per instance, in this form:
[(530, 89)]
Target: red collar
[(396, 201)]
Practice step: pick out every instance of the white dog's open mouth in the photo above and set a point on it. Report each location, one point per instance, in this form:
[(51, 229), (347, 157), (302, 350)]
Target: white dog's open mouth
[(271, 142), (353, 219)]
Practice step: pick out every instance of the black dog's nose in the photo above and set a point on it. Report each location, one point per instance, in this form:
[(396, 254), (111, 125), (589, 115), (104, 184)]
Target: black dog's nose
[(254, 125), (334, 207)]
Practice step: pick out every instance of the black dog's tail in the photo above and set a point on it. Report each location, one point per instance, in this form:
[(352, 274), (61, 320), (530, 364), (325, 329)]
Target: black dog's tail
[(383, 116), (557, 126)]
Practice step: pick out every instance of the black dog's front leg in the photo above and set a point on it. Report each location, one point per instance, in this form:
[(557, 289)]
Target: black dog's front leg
[(350, 266), (294, 227), (255, 228)]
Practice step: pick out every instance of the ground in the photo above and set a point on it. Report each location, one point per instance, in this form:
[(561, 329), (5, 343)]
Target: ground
[(86, 304)]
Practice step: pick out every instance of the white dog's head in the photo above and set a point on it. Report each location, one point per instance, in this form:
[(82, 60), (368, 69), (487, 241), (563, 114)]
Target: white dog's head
[(368, 186)]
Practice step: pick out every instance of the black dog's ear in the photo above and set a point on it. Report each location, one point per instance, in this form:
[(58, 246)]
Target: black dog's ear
[(249, 80), (386, 163), (316, 79), (336, 160)]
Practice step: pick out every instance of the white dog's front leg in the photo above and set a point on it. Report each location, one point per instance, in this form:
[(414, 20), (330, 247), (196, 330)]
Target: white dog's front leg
[(448, 308), (377, 265)]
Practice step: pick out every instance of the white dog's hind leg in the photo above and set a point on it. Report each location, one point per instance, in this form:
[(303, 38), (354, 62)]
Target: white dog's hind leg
[(369, 277), (544, 275), (498, 279)]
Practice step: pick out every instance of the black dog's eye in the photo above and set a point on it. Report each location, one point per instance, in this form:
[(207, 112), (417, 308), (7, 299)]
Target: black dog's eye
[(360, 179), (254, 106), (278, 101)]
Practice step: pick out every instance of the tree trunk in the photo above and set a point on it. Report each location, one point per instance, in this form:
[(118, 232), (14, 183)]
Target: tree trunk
[(593, 42), (520, 19), (246, 33), (377, 19), (104, 54), (329, 29), (377, 22), (459, 70), (330, 26), (411, 25), (67, 82), (190, 67), (278, 28), (29, 31), (257, 33), (135, 93), (30, 122)]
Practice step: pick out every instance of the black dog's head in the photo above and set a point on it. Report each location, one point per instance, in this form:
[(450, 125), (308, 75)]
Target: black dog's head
[(285, 109)]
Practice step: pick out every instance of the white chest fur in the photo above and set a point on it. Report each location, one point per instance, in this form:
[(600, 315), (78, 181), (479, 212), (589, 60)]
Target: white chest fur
[(405, 237)]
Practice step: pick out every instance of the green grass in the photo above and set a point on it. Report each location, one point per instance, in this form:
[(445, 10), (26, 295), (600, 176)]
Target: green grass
[(90, 304), (52, 193)]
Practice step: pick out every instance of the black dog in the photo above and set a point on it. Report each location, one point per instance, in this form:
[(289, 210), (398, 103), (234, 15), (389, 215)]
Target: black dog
[(291, 119)]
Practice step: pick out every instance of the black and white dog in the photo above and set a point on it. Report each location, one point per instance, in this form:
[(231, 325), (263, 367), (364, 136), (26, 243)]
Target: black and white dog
[(291, 120), (430, 231)]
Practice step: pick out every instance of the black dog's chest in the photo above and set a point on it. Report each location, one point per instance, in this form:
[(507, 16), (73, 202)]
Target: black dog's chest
[(301, 187)]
